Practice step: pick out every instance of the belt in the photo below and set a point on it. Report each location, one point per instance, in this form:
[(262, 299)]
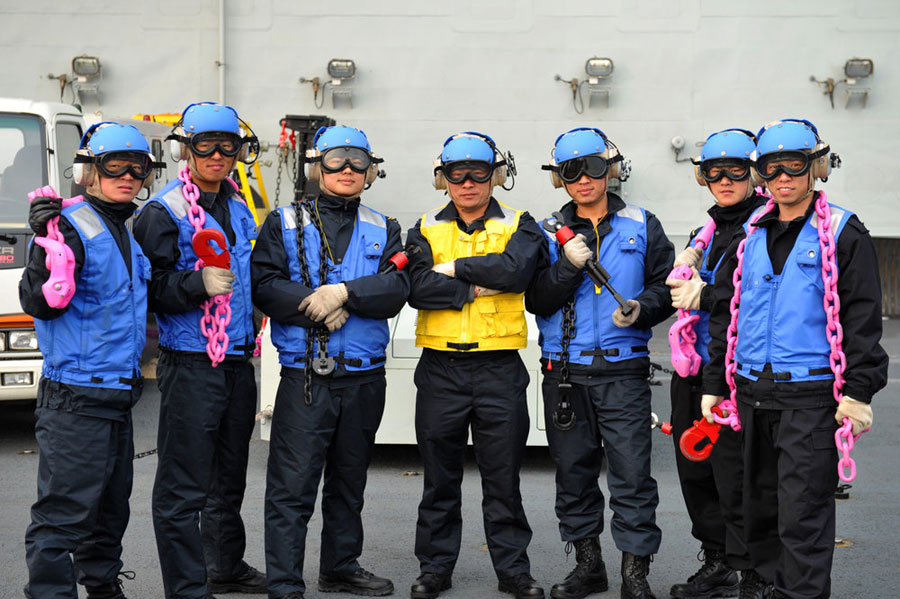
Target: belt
[(133, 381), (355, 362), (612, 352), (768, 375), (462, 346)]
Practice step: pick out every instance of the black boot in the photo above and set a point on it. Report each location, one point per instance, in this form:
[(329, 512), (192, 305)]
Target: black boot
[(589, 575), (635, 569), (715, 578), (754, 587), (110, 590)]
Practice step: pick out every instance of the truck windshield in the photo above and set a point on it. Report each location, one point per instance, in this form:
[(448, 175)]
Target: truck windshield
[(23, 164)]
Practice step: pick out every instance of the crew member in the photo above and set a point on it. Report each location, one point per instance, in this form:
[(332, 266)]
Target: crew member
[(91, 339), (318, 272), (596, 365), (712, 488), (785, 386), (477, 258), (206, 381)]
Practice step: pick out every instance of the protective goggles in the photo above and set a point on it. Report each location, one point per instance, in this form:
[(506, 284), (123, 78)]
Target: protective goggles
[(116, 164), (593, 166), (337, 159), (476, 170), (791, 162), (208, 143), (735, 169)]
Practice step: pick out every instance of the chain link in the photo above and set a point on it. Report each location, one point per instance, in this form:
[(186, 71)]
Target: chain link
[(568, 333), (212, 326), (318, 333), (844, 438)]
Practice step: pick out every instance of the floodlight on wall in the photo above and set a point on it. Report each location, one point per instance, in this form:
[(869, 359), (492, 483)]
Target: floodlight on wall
[(340, 71), (597, 70), (855, 70), (87, 73)]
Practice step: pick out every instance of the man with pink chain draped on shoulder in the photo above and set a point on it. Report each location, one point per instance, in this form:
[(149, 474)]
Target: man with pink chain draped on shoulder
[(206, 337), (795, 338)]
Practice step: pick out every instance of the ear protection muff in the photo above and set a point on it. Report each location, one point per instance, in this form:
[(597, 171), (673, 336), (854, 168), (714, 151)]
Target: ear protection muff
[(618, 169), (500, 163), (83, 172), (820, 167)]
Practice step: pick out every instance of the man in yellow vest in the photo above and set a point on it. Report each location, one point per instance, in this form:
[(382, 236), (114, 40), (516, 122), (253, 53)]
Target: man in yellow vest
[(477, 258)]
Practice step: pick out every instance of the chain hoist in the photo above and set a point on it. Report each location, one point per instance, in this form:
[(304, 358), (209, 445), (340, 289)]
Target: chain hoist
[(322, 364), (287, 153)]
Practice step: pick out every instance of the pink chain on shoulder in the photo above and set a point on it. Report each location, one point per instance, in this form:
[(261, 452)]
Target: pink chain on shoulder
[(844, 438), (212, 325), (730, 404), (682, 338)]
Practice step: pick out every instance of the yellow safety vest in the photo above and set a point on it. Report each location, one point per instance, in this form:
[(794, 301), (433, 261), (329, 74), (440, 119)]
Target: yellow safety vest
[(487, 323)]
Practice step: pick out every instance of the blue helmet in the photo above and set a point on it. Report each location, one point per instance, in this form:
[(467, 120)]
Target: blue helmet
[(108, 136), (469, 145), (209, 116), (729, 143), (340, 136), (786, 135), (577, 143)]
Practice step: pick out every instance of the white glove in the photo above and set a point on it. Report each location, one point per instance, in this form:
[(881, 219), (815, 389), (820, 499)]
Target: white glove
[(336, 319), (485, 292), (622, 321), (447, 268), (707, 403), (690, 256), (859, 413), (577, 252), (686, 294), (323, 301), (217, 281)]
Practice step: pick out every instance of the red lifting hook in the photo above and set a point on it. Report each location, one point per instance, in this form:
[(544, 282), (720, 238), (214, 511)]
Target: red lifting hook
[(207, 253), (697, 434)]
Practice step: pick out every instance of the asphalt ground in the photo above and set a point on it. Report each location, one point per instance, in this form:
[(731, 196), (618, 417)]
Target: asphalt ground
[(867, 521)]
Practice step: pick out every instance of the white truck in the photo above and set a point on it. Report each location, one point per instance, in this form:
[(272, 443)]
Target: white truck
[(37, 143)]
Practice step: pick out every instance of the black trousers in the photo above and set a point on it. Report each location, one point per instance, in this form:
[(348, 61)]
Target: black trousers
[(84, 484), (790, 473), (488, 394), (335, 434), (205, 422), (712, 489), (613, 418)]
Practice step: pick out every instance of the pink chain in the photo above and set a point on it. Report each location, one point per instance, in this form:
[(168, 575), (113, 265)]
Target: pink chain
[(730, 404), (844, 438), (682, 338), (212, 326)]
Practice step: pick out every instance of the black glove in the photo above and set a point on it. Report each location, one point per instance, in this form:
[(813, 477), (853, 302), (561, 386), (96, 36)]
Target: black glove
[(42, 210)]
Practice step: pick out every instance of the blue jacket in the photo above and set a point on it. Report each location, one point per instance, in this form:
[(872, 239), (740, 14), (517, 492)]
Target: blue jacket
[(98, 340), (360, 344), (622, 254), (780, 313), (182, 331)]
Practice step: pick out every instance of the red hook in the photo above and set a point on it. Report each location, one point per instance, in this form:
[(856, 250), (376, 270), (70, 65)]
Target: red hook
[(207, 253), (702, 431)]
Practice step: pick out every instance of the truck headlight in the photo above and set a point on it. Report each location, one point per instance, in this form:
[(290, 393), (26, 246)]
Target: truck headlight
[(2, 341), (23, 340)]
